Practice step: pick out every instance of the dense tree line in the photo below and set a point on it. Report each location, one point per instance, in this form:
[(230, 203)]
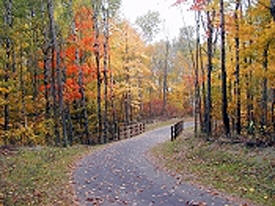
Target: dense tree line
[(72, 71), (242, 60)]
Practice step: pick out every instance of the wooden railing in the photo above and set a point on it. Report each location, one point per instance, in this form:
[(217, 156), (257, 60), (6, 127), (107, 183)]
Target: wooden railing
[(128, 131), (176, 129)]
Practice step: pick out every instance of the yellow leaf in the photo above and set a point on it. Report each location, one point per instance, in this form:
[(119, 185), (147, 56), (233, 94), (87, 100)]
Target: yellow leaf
[(252, 190)]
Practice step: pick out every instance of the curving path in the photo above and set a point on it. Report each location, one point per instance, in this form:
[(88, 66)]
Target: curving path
[(120, 174)]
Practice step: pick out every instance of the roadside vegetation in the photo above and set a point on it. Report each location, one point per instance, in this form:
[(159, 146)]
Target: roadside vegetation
[(42, 175), (157, 124), (39, 175), (162, 123), (234, 169)]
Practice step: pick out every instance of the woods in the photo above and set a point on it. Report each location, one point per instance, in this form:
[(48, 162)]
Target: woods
[(72, 71), (76, 76), (245, 94)]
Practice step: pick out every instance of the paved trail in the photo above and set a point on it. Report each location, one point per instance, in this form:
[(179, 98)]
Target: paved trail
[(120, 175)]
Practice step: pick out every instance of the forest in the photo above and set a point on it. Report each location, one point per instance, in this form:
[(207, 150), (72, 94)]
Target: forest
[(73, 71)]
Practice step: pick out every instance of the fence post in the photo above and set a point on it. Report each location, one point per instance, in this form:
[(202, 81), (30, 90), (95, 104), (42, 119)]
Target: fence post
[(131, 131), (118, 132), (176, 130), (172, 133), (143, 127), (127, 132)]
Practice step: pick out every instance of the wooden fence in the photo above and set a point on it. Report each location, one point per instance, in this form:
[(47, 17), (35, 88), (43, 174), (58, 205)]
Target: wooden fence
[(128, 131), (176, 129)]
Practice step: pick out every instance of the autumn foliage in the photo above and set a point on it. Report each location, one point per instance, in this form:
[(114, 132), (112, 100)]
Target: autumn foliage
[(70, 73)]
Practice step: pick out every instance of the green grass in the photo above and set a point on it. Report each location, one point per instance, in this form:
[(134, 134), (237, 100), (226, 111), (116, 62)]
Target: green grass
[(234, 169), (159, 124), (39, 176)]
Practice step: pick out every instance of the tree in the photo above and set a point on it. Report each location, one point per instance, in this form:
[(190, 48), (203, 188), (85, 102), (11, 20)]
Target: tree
[(264, 87), (105, 62), (237, 72), (197, 88), (223, 69), (272, 8), (8, 44), (149, 25), (55, 64), (96, 7), (165, 73), (62, 61)]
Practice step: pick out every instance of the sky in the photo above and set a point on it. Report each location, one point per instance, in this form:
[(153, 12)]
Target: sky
[(173, 17)]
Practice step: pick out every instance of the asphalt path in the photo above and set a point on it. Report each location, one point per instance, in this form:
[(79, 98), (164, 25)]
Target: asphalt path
[(121, 175)]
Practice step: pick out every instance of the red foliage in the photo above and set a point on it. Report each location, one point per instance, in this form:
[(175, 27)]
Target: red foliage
[(41, 64), (157, 106), (178, 2), (71, 90), (72, 70), (196, 6), (70, 52), (82, 41), (42, 87)]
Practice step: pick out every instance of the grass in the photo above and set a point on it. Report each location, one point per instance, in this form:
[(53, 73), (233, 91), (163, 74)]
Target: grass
[(247, 173), (159, 124), (39, 176)]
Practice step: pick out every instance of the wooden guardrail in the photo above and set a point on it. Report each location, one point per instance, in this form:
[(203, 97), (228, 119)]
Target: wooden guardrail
[(176, 129), (127, 131)]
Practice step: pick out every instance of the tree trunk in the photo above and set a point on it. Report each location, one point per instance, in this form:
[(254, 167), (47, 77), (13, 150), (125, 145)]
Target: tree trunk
[(55, 71), (203, 126), (60, 97), (224, 75), (84, 114), (264, 86), (237, 71), (69, 125), (272, 110), (126, 108), (46, 64), (33, 66), (8, 22), (127, 94), (208, 110), (98, 72), (68, 116), (249, 94), (140, 115), (272, 8), (114, 118), (131, 108), (197, 17), (46, 82), (22, 88), (165, 74), (150, 103), (105, 63)]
